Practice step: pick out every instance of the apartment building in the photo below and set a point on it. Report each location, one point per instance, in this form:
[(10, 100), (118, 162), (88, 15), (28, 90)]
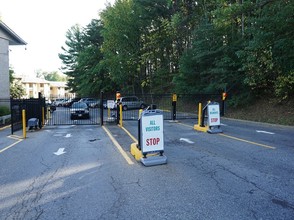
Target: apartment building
[(49, 89)]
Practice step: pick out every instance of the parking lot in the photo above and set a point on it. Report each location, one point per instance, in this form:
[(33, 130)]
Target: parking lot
[(87, 172)]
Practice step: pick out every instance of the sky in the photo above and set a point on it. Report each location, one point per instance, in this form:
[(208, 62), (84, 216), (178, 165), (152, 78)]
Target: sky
[(43, 25)]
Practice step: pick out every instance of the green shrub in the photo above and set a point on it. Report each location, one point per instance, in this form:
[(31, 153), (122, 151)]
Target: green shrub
[(4, 110)]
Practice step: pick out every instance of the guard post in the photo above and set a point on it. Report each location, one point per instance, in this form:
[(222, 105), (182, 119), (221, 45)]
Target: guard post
[(224, 97), (174, 105), (150, 147)]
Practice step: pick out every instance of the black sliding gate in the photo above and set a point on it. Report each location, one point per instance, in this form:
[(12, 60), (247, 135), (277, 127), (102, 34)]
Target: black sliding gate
[(185, 107), (62, 116)]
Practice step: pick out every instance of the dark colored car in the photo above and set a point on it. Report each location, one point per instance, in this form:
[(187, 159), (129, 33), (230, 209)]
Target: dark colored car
[(79, 110)]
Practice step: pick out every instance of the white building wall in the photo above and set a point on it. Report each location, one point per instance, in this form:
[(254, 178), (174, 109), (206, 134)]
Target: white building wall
[(4, 69)]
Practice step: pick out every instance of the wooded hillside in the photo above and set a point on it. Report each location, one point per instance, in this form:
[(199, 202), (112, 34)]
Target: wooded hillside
[(185, 46)]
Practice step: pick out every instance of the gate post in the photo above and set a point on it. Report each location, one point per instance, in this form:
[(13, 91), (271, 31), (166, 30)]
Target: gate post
[(12, 114), (101, 107), (40, 113), (174, 104), (224, 97)]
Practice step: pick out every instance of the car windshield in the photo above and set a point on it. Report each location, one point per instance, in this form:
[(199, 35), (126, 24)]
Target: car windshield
[(79, 105)]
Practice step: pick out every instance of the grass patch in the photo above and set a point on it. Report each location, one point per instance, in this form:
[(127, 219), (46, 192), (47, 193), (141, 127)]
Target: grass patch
[(266, 110)]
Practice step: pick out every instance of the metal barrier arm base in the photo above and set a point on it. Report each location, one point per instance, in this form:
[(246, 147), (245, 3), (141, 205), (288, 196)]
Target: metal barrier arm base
[(214, 130), (199, 128), (136, 152)]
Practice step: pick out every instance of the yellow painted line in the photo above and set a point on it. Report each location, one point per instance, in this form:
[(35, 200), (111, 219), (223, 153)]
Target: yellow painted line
[(131, 136), (249, 142), (3, 128), (120, 149), (11, 145), (238, 139), (185, 125)]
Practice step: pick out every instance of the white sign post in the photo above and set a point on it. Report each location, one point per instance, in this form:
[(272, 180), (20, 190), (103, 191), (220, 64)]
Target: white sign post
[(213, 122), (213, 115), (151, 140), (110, 104)]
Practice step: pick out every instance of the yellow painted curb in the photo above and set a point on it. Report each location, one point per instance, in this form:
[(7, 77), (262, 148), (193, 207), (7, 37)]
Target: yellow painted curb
[(3, 128), (136, 152), (198, 128)]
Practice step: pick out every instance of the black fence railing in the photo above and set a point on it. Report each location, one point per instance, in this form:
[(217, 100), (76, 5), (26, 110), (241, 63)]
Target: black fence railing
[(34, 108), (185, 107)]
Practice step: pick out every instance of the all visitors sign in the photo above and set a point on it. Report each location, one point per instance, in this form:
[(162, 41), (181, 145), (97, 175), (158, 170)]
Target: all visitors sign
[(152, 131)]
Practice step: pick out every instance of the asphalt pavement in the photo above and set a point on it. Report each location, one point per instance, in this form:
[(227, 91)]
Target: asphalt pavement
[(87, 172)]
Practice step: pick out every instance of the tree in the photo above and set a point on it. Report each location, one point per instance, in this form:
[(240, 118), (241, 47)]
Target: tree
[(16, 89), (84, 62), (51, 76), (74, 45)]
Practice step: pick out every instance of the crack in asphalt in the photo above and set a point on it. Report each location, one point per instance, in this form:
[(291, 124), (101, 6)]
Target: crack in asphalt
[(28, 206), (212, 173)]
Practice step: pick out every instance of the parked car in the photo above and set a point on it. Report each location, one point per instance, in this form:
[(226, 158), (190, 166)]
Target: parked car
[(58, 102), (97, 104), (79, 110), (89, 101), (69, 102), (50, 106), (130, 102)]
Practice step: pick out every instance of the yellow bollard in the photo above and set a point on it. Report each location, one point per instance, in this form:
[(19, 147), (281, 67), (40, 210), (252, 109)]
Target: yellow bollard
[(24, 130), (140, 112), (108, 111), (120, 118), (199, 113), (198, 126)]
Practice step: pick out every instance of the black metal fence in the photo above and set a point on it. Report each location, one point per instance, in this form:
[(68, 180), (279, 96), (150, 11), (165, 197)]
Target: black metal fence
[(34, 108), (185, 107)]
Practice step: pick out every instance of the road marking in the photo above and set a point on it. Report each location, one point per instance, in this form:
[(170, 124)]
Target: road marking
[(3, 128), (265, 132), (11, 145), (67, 136), (120, 149), (131, 136), (185, 125), (186, 140), (238, 139), (60, 151), (249, 142)]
